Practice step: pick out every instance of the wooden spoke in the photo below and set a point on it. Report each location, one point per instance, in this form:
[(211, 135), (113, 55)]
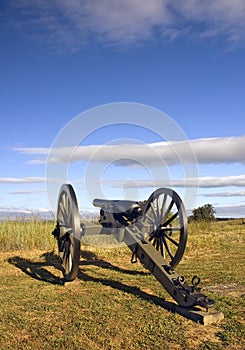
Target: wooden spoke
[(173, 217), (171, 240)]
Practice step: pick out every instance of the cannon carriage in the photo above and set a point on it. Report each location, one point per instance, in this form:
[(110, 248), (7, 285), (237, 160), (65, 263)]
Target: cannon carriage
[(154, 230)]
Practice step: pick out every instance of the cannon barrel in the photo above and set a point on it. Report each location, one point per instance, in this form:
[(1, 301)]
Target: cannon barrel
[(101, 202), (118, 206)]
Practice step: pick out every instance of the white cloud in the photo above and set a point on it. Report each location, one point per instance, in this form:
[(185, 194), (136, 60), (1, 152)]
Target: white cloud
[(124, 20), (207, 151), (225, 194), (27, 180), (38, 150), (24, 192), (21, 180), (221, 181), (217, 17), (74, 23), (200, 182), (230, 210)]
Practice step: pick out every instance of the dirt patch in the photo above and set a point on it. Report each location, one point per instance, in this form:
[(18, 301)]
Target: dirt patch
[(232, 290)]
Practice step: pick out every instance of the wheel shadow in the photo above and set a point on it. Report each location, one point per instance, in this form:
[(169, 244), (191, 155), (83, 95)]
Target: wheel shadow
[(40, 271)]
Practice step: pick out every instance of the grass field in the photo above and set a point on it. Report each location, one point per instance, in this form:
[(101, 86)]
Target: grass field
[(114, 304)]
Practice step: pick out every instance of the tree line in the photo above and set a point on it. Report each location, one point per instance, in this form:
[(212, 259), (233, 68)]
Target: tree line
[(204, 213)]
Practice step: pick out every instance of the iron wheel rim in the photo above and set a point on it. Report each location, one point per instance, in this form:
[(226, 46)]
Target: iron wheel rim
[(68, 221), (165, 213)]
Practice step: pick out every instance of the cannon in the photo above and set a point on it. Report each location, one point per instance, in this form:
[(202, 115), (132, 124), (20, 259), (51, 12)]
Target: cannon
[(154, 230)]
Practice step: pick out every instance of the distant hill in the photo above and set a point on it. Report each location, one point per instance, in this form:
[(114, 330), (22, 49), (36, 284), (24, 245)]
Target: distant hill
[(43, 215)]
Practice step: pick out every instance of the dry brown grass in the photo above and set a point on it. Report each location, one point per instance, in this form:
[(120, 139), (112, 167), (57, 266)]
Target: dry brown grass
[(114, 304)]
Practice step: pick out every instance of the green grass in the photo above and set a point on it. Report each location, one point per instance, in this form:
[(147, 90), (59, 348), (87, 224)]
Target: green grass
[(113, 304)]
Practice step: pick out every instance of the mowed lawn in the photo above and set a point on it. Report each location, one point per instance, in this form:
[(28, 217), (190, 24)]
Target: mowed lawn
[(114, 304)]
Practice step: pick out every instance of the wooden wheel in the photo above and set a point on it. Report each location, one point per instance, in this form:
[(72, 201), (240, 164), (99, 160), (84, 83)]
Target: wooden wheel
[(164, 212), (68, 224)]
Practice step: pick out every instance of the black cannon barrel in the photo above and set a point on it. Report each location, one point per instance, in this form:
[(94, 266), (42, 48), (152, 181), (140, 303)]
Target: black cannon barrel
[(101, 202), (118, 205)]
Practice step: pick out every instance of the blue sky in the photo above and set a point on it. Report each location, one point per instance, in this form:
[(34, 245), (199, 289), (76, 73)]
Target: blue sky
[(60, 59)]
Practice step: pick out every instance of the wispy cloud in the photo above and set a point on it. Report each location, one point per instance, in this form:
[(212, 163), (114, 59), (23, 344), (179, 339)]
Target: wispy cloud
[(230, 210), (225, 194), (27, 192), (38, 150), (202, 151), (27, 180), (75, 23), (21, 180), (216, 17), (200, 182)]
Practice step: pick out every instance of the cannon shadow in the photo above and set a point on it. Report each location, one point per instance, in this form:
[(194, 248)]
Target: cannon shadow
[(136, 291), (90, 258), (40, 272)]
